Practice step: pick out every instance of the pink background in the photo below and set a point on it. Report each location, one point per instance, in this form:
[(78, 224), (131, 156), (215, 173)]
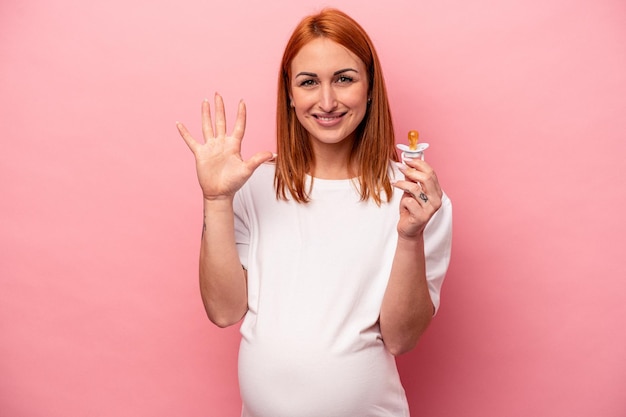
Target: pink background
[(523, 102)]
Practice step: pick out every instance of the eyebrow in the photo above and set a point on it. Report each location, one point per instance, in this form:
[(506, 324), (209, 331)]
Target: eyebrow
[(312, 74)]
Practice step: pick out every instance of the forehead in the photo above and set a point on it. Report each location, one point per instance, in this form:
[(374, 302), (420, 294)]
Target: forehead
[(322, 54)]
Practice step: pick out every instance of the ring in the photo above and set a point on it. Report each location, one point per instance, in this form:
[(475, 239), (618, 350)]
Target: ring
[(423, 197)]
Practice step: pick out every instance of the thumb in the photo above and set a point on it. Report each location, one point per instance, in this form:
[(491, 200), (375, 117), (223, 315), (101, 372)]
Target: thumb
[(259, 158)]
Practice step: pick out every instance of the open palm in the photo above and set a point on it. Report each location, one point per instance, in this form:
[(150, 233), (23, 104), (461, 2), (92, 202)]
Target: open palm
[(219, 165)]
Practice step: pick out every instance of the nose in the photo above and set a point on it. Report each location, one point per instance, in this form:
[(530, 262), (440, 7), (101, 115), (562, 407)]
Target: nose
[(328, 100)]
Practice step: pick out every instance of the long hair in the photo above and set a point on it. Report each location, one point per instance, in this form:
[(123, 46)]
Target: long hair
[(374, 144)]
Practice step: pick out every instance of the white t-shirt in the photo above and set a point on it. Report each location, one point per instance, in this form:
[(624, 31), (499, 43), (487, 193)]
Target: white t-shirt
[(317, 272)]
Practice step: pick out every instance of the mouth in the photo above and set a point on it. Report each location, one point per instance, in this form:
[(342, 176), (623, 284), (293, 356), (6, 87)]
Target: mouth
[(329, 119)]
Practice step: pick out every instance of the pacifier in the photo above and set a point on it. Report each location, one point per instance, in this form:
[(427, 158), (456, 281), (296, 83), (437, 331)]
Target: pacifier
[(414, 149)]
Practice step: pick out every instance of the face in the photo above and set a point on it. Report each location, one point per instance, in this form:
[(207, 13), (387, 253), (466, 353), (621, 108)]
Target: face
[(329, 88)]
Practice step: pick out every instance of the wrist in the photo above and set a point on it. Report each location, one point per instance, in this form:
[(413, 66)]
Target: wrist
[(217, 204), (411, 242)]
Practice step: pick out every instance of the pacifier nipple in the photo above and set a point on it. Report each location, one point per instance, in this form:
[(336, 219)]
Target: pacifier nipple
[(413, 139)]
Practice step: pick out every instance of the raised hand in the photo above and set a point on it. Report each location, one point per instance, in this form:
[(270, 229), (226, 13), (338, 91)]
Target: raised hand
[(219, 165), (421, 199)]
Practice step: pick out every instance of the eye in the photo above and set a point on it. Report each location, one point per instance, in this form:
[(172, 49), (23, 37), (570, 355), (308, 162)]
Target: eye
[(309, 82), (344, 79)]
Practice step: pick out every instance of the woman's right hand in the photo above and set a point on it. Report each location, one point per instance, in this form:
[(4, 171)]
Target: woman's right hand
[(220, 168)]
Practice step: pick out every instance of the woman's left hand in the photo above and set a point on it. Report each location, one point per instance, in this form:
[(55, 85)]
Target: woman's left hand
[(421, 199)]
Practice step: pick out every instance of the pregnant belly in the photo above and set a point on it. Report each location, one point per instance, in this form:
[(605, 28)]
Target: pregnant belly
[(299, 381)]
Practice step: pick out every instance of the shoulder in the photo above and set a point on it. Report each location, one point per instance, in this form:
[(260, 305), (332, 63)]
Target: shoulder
[(259, 187), (266, 169), (263, 175)]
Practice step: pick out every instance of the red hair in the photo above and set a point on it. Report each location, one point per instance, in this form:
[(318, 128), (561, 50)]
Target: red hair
[(374, 145)]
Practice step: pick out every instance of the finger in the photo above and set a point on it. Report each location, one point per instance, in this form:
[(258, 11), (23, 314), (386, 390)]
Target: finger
[(240, 123), (414, 191), (410, 188), (184, 133), (420, 172), (207, 123), (220, 116), (411, 205), (417, 163), (430, 201), (259, 158), (411, 174), (415, 168)]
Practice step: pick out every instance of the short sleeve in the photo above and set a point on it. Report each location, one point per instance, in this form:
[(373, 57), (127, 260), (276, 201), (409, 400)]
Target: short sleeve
[(438, 248)]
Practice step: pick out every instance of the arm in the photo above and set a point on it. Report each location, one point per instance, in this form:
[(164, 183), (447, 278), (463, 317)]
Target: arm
[(221, 173), (407, 308), (222, 278)]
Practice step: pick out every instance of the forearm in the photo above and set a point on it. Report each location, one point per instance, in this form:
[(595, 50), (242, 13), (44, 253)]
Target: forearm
[(222, 278), (407, 308)]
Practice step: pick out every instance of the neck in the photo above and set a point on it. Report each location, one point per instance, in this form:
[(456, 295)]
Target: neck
[(332, 161)]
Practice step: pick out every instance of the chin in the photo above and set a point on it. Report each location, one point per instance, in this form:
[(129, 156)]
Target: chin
[(330, 139)]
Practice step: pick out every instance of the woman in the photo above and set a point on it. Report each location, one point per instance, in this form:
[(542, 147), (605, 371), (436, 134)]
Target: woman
[(343, 248)]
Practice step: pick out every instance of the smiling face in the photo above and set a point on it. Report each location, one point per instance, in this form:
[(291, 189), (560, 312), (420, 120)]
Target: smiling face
[(329, 87)]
